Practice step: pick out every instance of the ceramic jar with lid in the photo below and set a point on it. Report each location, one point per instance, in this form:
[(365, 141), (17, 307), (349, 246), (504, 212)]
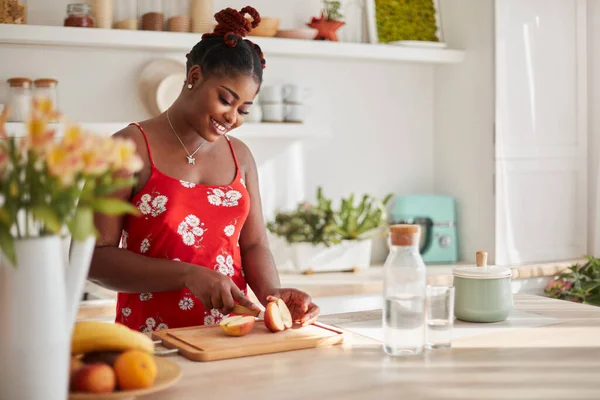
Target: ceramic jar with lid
[(19, 99), (482, 293), (151, 14)]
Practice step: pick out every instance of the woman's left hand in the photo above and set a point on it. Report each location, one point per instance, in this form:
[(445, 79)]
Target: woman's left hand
[(303, 310)]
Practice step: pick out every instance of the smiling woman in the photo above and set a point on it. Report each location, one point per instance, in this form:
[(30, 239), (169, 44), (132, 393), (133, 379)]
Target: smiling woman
[(199, 239)]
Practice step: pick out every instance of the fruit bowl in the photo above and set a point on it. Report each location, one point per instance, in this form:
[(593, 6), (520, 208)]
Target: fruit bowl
[(168, 374)]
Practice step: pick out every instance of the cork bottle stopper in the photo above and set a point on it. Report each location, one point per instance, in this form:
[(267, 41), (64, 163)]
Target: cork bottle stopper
[(404, 234), (481, 258)]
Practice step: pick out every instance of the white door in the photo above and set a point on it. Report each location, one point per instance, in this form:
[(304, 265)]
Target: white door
[(541, 129)]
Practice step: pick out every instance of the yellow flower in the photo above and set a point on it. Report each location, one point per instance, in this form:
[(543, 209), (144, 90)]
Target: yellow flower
[(39, 137), (3, 119), (43, 107), (125, 156), (74, 138), (63, 164), (94, 157)]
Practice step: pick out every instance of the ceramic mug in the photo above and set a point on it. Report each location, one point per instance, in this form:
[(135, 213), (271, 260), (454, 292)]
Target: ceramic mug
[(296, 112), (295, 94), (273, 112), (273, 94)]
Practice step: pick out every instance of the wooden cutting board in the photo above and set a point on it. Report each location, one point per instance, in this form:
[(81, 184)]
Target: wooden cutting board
[(209, 343)]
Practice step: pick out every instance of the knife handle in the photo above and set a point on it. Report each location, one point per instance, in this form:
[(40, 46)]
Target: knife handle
[(239, 309)]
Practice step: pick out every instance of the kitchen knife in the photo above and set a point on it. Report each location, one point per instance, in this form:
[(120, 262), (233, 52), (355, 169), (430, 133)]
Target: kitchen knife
[(241, 310)]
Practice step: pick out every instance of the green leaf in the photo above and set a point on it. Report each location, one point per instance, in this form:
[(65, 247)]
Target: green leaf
[(48, 216), (113, 206), (4, 217), (7, 245), (82, 224)]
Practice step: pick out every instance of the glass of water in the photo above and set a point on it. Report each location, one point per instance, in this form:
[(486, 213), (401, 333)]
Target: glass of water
[(439, 315)]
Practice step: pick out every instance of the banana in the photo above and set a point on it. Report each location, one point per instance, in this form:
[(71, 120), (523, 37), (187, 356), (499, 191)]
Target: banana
[(89, 336)]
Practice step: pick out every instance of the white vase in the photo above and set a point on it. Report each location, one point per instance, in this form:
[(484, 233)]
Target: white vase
[(39, 299), (347, 255)]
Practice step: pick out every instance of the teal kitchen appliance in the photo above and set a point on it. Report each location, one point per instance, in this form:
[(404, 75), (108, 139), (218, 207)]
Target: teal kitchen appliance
[(437, 216)]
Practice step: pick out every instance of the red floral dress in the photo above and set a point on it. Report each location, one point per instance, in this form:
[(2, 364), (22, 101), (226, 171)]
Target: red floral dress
[(183, 221)]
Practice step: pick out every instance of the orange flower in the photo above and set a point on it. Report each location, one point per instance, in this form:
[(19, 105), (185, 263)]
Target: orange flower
[(125, 156), (63, 163)]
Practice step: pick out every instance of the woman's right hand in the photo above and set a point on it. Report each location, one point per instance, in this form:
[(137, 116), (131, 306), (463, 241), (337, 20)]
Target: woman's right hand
[(215, 290)]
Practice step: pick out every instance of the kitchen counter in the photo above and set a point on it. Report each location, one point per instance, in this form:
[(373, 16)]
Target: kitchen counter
[(328, 289), (554, 361)]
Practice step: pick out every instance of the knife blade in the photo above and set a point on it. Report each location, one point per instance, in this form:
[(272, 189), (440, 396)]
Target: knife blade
[(241, 310)]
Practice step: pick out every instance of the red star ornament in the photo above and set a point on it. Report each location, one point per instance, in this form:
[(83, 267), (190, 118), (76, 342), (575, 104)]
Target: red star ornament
[(327, 29)]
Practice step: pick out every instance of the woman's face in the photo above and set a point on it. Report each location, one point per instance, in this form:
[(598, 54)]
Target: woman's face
[(219, 103)]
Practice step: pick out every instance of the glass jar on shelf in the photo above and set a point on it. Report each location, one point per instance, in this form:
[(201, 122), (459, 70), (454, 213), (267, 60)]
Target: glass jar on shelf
[(178, 15), (126, 12), (151, 15), (79, 15), (19, 99), (13, 12), (46, 88)]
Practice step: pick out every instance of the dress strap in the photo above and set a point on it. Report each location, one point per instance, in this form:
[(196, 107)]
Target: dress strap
[(237, 167), (146, 140)]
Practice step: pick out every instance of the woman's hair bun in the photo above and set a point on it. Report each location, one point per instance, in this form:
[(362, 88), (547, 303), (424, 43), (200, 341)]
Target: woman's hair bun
[(233, 26)]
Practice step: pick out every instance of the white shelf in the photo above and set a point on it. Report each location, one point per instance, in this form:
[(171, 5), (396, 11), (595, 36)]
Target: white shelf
[(183, 42), (287, 131)]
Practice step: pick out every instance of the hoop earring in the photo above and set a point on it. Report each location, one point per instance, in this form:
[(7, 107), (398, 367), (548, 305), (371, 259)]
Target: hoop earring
[(189, 86)]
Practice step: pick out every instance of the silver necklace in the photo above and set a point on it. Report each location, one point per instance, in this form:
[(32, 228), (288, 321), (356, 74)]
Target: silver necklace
[(190, 157)]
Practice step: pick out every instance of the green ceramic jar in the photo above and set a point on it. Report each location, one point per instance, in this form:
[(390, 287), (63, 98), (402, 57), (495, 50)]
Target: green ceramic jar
[(482, 294)]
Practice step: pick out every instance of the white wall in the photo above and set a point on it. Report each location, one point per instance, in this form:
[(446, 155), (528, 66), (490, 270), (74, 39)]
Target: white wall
[(464, 121), (594, 124), (380, 113)]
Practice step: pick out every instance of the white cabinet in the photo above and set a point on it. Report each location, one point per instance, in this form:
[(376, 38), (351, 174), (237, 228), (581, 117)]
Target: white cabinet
[(530, 67)]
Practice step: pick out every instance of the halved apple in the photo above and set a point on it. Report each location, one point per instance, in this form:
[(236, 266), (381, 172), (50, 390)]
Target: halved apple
[(277, 316), (237, 325)]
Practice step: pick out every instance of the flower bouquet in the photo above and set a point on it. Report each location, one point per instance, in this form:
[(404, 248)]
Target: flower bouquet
[(51, 185)]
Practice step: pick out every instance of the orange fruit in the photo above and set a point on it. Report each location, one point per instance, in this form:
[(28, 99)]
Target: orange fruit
[(135, 369)]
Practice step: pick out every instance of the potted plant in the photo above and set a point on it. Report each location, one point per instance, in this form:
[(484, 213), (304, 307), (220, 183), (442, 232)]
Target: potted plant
[(49, 190), (579, 283), (329, 21), (319, 238)]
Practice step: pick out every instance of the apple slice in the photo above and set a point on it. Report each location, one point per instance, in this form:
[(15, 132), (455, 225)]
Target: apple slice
[(237, 325), (284, 311), (277, 316)]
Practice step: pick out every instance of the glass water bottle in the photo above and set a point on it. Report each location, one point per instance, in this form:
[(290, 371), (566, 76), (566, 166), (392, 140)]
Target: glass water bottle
[(404, 293)]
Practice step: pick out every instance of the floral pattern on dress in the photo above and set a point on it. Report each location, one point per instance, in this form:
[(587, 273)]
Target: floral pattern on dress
[(224, 264), (152, 205), (152, 325), (145, 296), (126, 311), (229, 230), (213, 317), (187, 303), (145, 245), (188, 185), (191, 230), (219, 197)]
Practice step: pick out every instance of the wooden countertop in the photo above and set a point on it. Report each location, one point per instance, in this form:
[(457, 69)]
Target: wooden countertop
[(560, 361), (322, 285)]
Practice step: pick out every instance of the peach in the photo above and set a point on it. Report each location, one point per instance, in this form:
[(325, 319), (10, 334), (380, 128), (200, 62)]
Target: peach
[(237, 325), (94, 378), (277, 316)]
